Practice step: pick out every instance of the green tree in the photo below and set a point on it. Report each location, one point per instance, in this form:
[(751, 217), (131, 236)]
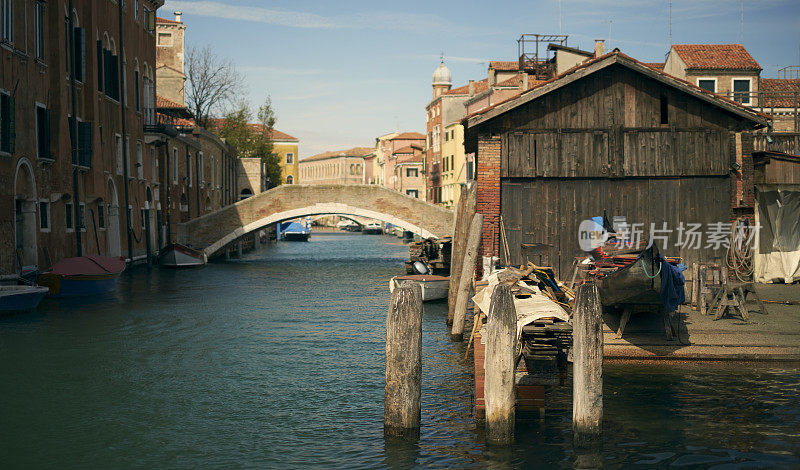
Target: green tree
[(253, 139)]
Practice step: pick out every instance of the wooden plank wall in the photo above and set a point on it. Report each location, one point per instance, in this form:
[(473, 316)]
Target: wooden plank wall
[(548, 212)]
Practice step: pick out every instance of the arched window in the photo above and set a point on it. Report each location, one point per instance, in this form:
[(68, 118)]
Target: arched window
[(289, 179), (245, 194)]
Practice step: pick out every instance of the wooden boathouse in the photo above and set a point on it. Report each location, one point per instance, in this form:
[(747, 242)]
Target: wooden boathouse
[(609, 134)]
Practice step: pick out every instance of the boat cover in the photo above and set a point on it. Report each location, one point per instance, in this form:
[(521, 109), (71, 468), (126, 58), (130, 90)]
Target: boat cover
[(91, 265), (777, 254), (295, 228), (672, 291)]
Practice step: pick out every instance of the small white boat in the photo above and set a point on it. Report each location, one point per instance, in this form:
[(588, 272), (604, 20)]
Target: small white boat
[(21, 298), (433, 287), (181, 256), (372, 229)]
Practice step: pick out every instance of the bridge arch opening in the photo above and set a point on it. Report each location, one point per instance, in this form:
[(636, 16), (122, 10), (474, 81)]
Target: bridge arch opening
[(343, 210)]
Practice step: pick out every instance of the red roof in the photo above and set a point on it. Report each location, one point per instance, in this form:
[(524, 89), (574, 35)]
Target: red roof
[(505, 65), (408, 149), (353, 152), (162, 102), (655, 65), (778, 92), (716, 56), (480, 86), (516, 80), (409, 136), (164, 20)]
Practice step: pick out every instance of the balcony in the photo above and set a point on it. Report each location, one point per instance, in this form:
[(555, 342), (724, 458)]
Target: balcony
[(159, 123)]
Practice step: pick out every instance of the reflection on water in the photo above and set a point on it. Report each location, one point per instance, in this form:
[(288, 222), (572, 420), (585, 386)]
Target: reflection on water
[(277, 360)]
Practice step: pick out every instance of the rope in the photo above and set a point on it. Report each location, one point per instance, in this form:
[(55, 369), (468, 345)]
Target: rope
[(740, 253), (644, 268)]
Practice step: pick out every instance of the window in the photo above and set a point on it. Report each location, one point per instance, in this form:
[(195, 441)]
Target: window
[(68, 213), (174, 166), (164, 39), (189, 169), (38, 13), (44, 216), (136, 89), (136, 10), (101, 216), (741, 90), (8, 23), (82, 217), (664, 110), (139, 161), (200, 172), (7, 131), (289, 158), (412, 193), (412, 172), (79, 36), (42, 132), (143, 217), (708, 84), (118, 152), (289, 179), (153, 166), (128, 155), (149, 20)]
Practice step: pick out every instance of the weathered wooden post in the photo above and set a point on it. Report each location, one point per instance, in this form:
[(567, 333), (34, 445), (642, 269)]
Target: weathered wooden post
[(401, 413), (467, 273), (467, 205), (499, 384), (587, 374)]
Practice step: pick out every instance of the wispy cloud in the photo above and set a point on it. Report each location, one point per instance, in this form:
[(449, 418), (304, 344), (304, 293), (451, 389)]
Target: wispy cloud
[(374, 20), (274, 70)]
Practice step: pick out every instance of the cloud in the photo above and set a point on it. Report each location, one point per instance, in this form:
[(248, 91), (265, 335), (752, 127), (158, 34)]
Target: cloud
[(275, 70), (374, 20)]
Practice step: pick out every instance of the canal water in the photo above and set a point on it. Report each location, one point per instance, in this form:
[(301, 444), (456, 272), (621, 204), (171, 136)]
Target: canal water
[(276, 360)]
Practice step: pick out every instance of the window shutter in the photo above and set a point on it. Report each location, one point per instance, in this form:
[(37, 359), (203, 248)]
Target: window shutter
[(100, 62), (85, 144), (72, 140), (115, 75), (80, 53), (151, 21), (46, 131)]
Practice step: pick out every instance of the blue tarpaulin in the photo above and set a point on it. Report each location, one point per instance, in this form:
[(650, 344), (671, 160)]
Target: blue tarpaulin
[(672, 281)]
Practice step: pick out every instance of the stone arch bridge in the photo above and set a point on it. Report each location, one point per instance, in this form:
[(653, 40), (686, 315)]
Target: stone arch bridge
[(215, 230)]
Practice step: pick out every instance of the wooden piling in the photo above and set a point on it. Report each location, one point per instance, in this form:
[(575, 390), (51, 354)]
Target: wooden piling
[(467, 205), (401, 414), (499, 384), (587, 374), (467, 273)]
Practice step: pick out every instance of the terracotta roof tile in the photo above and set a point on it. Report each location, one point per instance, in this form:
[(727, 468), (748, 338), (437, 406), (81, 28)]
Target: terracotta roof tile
[(716, 56), (353, 152), (517, 79), (480, 87), (408, 149), (409, 136), (165, 103), (779, 92), (164, 20), (505, 65), (655, 65)]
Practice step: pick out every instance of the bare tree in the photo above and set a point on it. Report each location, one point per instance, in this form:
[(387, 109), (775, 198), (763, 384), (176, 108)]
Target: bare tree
[(213, 81)]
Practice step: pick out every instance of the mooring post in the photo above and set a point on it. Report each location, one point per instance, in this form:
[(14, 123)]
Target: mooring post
[(467, 273), (467, 203), (401, 413), (587, 374), (499, 384)]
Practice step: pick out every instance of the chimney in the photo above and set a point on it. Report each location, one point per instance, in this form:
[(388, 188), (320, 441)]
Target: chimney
[(492, 77), (599, 47), (471, 87), (178, 16), (523, 84)]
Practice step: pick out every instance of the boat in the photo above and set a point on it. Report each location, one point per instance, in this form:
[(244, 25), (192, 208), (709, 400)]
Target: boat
[(83, 275), (21, 298), (345, 225), (176, 255), (295, 232), (629, 278), (433, 287), (372, 229)]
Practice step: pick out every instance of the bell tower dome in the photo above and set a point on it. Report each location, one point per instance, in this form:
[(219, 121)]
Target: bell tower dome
[(441, 80)]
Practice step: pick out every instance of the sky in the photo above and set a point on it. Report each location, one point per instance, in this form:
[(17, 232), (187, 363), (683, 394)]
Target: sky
[(341, 73)]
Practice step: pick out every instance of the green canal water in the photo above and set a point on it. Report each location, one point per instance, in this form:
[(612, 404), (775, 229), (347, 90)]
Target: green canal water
[(276, 360)]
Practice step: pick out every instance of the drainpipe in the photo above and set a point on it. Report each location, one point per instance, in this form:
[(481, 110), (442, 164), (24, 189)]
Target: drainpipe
[(125, 144), (197, 180), (167, 190), (76, 197), (188, 182)]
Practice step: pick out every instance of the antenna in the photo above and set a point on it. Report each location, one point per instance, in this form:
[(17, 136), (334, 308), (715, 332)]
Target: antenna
[(670, 23), (609, 31)]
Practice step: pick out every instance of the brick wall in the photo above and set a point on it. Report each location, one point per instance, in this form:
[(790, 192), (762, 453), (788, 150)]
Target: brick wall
[(742, 187), (488, 177)]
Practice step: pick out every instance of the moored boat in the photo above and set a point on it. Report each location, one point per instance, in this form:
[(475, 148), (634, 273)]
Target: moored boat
[(83, 275), (433, 287), (176, 255), (372, 229), (295, 232), (20, 298)]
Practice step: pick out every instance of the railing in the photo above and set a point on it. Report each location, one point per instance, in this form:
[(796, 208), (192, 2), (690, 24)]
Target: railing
[(160, 124), (790, 71), (787, 142)]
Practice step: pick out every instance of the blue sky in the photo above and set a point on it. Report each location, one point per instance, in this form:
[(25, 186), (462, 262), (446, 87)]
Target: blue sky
[(341, 73)]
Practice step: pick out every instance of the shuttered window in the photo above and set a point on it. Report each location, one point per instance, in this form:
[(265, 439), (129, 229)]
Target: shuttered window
[(43, 132), (99, 65), (7, 132)]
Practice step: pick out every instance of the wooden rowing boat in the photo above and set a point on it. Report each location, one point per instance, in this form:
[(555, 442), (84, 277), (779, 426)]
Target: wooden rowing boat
[(433, 287), (637, 282)]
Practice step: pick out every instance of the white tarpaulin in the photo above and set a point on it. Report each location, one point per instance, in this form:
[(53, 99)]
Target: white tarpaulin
[(777, 254), (528, 309)]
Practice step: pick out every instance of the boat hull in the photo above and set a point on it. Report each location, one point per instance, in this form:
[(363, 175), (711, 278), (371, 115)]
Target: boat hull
[(73, 286), (371, 230), (296, 236), (637, 283), (433, 287), (180, 256), (21, 298)]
